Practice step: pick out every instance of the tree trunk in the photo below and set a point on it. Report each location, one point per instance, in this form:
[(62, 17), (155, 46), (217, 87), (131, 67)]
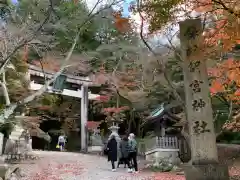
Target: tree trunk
[(5, 90), (5, 93)]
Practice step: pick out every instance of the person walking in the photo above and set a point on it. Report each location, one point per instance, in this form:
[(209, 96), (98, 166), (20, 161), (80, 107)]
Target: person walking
[(133, 152), (124, 150), (61, 142), (112, 148)]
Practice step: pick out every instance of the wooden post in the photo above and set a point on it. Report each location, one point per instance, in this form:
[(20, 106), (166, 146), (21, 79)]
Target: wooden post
[(84, 117), (198, 107), (163, 128)]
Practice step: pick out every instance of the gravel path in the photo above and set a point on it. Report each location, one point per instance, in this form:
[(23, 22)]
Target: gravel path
[(75, 166)]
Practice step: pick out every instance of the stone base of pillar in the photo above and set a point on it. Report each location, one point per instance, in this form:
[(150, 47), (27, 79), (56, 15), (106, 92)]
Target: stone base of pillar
[(206, 172), (83, 152), (3, 167)]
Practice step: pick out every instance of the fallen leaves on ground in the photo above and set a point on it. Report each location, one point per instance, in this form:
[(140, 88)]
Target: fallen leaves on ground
[(55, 171), (67, 166), (168, 176)]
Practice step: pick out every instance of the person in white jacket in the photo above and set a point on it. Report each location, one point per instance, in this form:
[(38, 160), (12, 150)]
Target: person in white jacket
[(61, 142)]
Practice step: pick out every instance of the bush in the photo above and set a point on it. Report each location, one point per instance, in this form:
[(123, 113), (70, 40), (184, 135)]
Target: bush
[(235, 142), (228, 137)]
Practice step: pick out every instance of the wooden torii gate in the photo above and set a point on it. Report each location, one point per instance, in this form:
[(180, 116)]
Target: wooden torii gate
[(36, 75)]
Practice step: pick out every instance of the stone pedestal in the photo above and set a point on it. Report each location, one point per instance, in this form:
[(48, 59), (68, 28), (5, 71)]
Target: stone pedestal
[(3, 167), (96, 142), (206, 172)]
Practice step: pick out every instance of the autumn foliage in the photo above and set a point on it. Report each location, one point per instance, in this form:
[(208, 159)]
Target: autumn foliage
[(226, 80), (102, 98), (221, 18), (92, 125), (226, 83), (50, 65), (121, 23), (234, 124), (115, 109), (115, 114)]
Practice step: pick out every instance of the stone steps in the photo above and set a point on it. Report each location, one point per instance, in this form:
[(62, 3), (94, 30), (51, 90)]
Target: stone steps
[(16, 133)]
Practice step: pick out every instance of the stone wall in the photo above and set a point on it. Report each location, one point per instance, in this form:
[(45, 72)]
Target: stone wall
[(157, 154)]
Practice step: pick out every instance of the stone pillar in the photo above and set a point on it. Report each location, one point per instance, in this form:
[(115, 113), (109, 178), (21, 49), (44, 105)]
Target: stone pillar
[(1, 143), (84, 117), (204, 155)]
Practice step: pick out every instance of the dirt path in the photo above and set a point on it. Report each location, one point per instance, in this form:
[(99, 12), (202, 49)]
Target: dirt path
[(74, 166)]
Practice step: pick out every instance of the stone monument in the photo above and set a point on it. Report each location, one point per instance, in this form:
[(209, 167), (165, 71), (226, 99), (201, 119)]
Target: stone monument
[(96, 141), (96, 138), (204, 158)]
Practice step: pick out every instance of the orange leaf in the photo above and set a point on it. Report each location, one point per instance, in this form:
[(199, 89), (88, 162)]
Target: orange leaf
[(203, 5), (237, 92), (216, 87)]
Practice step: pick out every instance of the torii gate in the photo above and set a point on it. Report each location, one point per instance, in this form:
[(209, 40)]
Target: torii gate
[(57, 88)]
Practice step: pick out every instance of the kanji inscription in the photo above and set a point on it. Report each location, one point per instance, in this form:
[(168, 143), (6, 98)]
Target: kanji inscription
[(191, 49), (191, 33), (193, 65), (198, 104), (195, 85), (200, 127)]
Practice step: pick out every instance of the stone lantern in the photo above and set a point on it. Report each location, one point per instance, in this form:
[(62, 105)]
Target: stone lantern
[(115, 119), (114, 128)]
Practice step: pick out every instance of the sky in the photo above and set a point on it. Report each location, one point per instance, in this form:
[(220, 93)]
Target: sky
[(14, 1), (91, 3), (126, 5)]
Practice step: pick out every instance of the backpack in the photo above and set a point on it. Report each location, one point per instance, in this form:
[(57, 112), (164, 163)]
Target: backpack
[(132, 145)]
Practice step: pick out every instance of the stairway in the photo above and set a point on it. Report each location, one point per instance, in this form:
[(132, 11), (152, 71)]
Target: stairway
[(17, 148), (12, 144)]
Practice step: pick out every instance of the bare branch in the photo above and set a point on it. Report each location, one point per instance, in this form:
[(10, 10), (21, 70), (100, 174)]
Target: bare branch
[(228, 9), (160, 63), (230, 111), (9, 111), (23, 42), (40, 61)]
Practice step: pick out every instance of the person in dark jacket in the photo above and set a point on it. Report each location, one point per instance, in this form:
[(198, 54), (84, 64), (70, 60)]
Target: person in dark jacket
[(112, 148), (124, 150)]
